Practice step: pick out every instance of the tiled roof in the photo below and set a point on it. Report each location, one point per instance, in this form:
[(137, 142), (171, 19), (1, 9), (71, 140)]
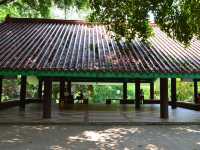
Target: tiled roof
[(57, 45)]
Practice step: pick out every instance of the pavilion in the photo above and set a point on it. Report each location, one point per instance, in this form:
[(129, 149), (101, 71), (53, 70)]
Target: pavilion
[(72, 50)]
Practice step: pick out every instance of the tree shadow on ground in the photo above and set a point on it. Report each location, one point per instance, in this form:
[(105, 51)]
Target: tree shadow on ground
[(99, 137)]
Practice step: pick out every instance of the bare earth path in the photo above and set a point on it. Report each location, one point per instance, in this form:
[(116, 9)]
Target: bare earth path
[(61, 137)]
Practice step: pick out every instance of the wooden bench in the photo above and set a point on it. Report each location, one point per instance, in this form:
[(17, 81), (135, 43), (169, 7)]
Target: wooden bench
[(85, 101), (121, 101)]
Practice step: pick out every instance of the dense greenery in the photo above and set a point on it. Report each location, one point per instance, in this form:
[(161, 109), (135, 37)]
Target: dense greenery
[(38, 8), (180, 19), (66, 4), (26, 8)]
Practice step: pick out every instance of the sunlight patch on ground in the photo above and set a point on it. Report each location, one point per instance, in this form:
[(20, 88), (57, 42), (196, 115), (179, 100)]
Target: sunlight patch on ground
[(105, 138), (56, 147), (15, 140), (41, 128), (189, 130), (151, 147)]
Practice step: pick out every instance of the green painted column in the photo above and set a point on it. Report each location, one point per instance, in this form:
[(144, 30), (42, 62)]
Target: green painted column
[(47, 98), (164, 98), (22, 101), (137, 94)]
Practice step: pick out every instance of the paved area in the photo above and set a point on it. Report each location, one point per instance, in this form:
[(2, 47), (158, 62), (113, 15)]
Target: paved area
[(98, 114), (67, 137)]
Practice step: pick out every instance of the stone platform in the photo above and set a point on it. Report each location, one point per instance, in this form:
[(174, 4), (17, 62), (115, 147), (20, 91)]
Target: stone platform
[(99, 114)]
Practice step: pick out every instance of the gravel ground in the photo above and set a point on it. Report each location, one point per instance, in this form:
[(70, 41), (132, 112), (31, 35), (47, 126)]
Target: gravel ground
[(68, 137)]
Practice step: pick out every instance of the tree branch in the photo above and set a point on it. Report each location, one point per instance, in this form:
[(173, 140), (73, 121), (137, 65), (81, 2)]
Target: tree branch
[(2, 2)]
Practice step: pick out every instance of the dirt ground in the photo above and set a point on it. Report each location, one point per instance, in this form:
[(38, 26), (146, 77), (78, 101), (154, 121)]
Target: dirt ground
[(68, 137)]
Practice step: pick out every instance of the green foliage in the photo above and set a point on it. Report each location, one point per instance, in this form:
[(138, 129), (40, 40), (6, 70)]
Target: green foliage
[(103, 92), (37, 8), (185, 91), (179, 19), (9, 9), (25, 8), (66, 4), (10, 89)]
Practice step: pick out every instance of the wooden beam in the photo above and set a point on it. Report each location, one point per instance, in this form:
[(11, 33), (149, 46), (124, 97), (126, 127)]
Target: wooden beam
[(137, 94), (173, 93), (125, 96), (152, 90), (47, 98), (40, 87), (195, 91), (1, 88), (22, 102), (164, 98)]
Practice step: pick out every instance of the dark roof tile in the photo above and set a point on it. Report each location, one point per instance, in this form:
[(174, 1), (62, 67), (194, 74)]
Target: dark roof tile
[(39, 44)]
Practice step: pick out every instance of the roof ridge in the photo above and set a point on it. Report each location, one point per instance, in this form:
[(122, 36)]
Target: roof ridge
[(41, 20)]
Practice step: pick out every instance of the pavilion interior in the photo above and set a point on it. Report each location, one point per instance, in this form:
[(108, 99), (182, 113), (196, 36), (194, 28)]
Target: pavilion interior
[(69, 110)]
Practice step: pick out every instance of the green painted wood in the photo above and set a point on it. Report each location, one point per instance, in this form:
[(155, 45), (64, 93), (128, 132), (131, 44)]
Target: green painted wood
[(98, 74)]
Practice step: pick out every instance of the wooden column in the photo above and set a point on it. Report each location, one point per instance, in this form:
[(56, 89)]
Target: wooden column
[(195, 91), (69, 93), (62, 91), (152, 90), (164, 98), (22, 101), (124, 92), (1, 88), (173, 93), (40, 85), (69, 88), (137, 94), (47, 98)]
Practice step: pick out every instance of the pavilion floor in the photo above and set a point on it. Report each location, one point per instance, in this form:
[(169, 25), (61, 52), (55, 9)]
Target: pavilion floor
[(99, 114)]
